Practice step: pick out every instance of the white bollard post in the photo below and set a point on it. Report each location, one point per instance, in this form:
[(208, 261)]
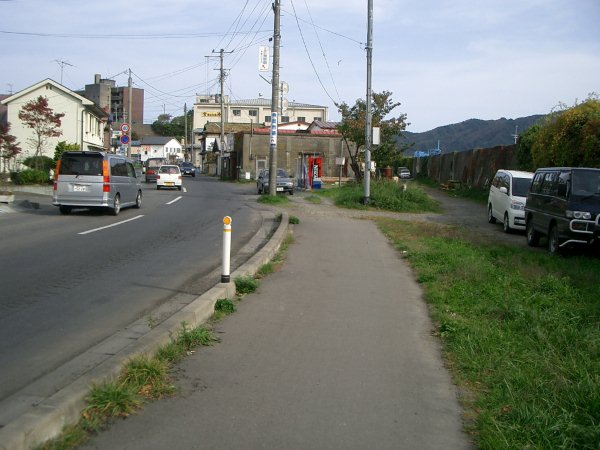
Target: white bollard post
[(225, 275)]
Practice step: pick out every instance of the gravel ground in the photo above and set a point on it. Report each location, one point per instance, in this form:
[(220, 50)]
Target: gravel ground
[(463, 213)]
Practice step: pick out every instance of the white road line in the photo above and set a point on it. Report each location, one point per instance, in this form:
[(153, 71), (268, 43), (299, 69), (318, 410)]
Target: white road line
[(112, 225), (175, 200)]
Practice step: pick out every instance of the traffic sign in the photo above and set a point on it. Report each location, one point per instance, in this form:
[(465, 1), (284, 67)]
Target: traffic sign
[(125, 127), (124, 139)]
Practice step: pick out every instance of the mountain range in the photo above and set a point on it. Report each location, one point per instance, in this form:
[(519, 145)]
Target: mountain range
[(467, 135)]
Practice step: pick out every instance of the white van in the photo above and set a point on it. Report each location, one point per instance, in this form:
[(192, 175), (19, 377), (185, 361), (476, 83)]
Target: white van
[(95, 179), (506, 200)]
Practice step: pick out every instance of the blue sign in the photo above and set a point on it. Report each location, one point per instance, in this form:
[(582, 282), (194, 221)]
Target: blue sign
[(124, 139)]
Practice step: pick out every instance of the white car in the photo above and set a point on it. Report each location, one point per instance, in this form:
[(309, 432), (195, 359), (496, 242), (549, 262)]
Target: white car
[(506, 200), (403, 172), (169, 176)]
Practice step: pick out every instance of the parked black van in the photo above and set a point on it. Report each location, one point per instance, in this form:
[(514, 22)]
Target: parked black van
[(563, 203)]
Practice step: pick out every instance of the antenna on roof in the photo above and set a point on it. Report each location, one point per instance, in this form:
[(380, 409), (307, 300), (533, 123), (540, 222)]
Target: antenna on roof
[(62, 65)]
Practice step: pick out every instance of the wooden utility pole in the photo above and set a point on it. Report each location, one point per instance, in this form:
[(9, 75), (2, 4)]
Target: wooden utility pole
[(275, 103), (368, 114), (129, 114)]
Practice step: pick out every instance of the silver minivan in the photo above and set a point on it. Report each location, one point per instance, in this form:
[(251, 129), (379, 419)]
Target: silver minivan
[(95, 180)]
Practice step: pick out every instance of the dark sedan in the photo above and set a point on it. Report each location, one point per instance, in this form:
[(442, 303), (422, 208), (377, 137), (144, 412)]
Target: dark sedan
[(284, 182), (187, 168)]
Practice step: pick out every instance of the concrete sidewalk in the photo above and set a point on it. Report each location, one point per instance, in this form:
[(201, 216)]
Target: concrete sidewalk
[(334, 351)]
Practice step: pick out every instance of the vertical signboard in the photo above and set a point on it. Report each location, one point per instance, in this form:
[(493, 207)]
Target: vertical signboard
[(263, 58), (273, 128)]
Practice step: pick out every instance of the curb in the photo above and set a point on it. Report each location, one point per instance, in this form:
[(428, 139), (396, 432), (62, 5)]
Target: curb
[(45, 420)]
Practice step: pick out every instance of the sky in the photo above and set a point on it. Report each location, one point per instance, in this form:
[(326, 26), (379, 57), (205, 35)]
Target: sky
[(444, 61)]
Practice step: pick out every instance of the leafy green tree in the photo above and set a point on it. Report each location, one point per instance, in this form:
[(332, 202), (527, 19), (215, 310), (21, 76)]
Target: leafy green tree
[(352, 128), (524, 144), (62, 147), (44, 122), (570, 137), (166, 125)]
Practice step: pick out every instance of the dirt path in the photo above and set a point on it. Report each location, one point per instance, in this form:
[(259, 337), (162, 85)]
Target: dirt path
[(464, 213)]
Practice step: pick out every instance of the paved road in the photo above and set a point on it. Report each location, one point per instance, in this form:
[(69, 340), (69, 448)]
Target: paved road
[(334, 351), (63, 292)]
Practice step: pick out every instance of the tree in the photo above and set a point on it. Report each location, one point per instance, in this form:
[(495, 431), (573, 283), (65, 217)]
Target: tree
[(524, 145), (166, 125), (570, 137), (352, 128), (44, 122), (9, 147), (62, 147)]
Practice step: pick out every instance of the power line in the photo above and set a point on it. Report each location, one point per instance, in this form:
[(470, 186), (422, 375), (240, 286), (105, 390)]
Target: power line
[(124, 36), (309, 57)]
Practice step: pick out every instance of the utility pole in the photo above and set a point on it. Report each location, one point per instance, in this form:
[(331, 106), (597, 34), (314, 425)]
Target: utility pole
[(222, 80), (129, 114), (274, 100), (368, 114), (185, 132)]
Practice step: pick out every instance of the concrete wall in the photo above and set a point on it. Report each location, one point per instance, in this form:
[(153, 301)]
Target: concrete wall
[(472, 167), (290, 147)]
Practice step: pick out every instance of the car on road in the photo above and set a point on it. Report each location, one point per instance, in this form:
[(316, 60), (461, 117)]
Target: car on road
[(187, 168), (564, 205), (151, 166), (506, 199), (284, 182), (168, 176), (403, 172), (93, 179)]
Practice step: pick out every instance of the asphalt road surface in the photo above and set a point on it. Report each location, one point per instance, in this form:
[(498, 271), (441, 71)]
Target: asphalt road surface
[(68, 282)]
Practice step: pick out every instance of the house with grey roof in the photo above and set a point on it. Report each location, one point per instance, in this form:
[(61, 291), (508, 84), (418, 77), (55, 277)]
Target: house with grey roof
[(161, 147)]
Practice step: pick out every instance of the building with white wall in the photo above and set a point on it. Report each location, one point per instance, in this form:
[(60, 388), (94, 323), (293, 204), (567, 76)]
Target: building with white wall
[(83, 121), (161, 147), (257, 111)]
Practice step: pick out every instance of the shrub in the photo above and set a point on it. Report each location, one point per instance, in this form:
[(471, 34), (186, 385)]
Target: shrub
[(39, 163), (30, 176)]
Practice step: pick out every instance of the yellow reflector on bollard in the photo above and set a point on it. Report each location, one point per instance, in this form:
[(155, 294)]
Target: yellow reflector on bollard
[(226, 220)]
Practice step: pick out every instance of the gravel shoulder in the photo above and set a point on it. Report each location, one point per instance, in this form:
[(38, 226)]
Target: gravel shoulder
[(463, 213)]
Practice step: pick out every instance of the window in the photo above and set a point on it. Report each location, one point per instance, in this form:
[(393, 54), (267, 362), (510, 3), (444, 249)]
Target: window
[(253, 113), (268, 119), (301, 119), (285, 119), (118, 167), (549, 183), (317, 118), (536, 185), (237, 112)]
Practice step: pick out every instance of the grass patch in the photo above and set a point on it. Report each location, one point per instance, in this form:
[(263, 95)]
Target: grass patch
[(313, 199), (520, 331), (245, 285), (385, 195), (279, 199), (265, 270), (293, 220), (149, 377), (143, 378), (223, 308)]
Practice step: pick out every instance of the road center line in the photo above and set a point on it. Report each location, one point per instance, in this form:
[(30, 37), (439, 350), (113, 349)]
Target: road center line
[(175, 200), (111, 225)]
